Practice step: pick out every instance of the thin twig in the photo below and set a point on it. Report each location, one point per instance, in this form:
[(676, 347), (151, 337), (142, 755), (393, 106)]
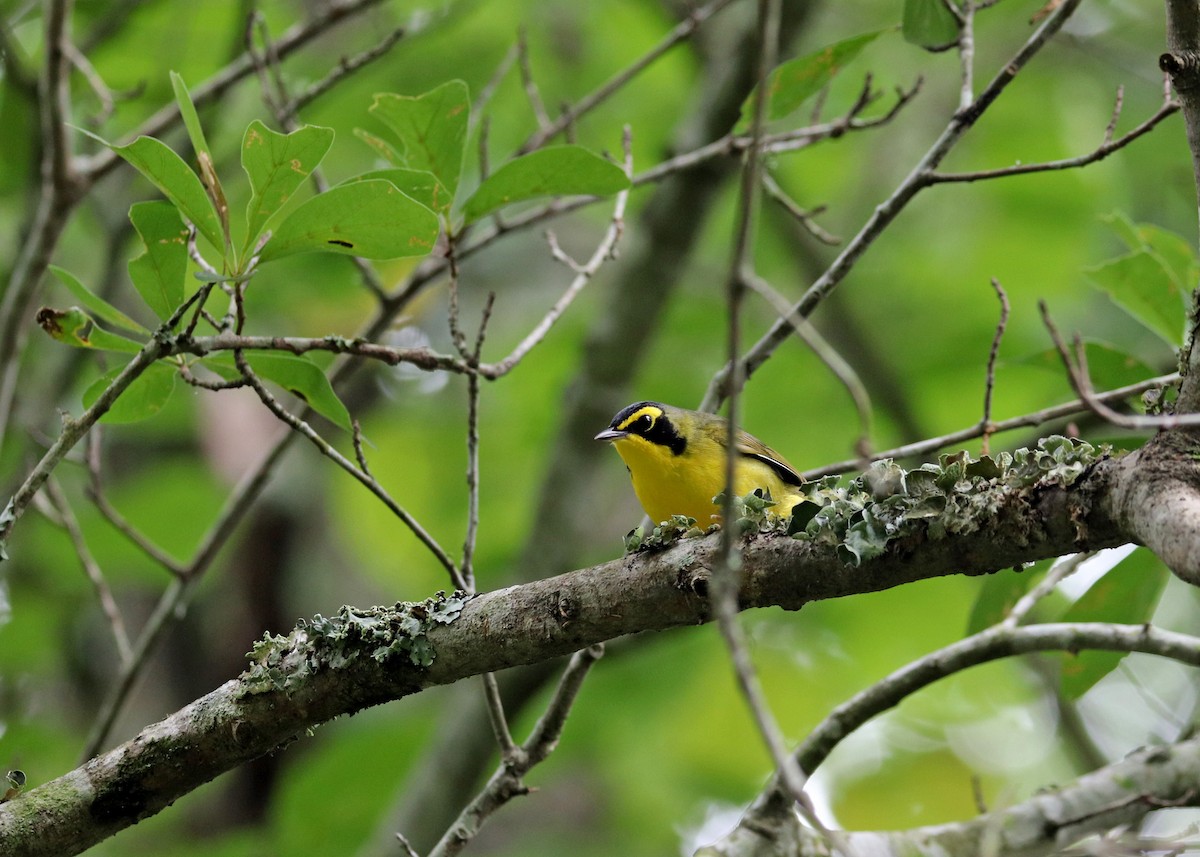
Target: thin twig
[(507, 781), (603, 252), (828, 355), (345, 67), (303, 428), (989, 383), (468, 554), (806, 218), (887, 211), (529, 84), (1056, 575), (1036, 418), (589, 102), (68, 521), (98, 86), (965, 16), (1106, 148), (1077, 373), (495, 707)]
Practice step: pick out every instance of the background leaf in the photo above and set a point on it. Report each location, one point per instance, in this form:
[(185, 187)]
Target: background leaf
[(1142, 285), (159, 272), (1126, 594), (142, 399), (929, 23), (432, 128), (187, 111), (76, 328), (1108, 366), (795, 81), (371, 219), (276, 165), (553, 171), (1000, 592)]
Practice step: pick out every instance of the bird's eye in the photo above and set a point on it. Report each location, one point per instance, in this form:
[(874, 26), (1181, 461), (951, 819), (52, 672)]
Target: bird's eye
[(645, 423)]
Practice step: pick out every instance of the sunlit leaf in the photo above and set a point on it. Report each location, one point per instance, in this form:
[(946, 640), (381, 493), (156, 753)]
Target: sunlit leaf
[(191, 121), (1142, 285), (76, 328), (143, 398), (421, 185), (929, 24), (277, 164), (371, 219), (795, 81), (432, 128), (294, 373), (159, 272), (1127, 594), (99, 307), (553, 171)]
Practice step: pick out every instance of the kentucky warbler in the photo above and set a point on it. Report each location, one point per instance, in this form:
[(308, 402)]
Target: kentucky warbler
[(676, 459)]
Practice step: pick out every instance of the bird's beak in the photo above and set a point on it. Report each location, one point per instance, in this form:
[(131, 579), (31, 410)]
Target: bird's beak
[(610, 434)]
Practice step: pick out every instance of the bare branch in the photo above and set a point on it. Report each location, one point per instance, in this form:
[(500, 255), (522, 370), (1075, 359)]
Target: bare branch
[(589, 102), (806, 219), (990, 382), (1036, 418), (529, 84), (1056, 575), (345, 67)]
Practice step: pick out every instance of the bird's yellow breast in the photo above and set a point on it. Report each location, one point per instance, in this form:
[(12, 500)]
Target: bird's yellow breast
[(667, 484)]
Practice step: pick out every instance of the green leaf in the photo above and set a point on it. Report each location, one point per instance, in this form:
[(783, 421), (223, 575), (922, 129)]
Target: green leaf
[(795, 81), (159, 273), (929, 24), (191, 121), (1142, 285), (277, 164), (382, 147), (371, 219), (432, 128), (294, 373), (421, 185), (142, 399), (999, 594), (76, 328), (167, 171), (99, 307), (1127, 594), (1108, 366), (553, 171)]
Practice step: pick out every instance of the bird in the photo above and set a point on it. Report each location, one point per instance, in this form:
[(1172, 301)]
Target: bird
[(676, 459)]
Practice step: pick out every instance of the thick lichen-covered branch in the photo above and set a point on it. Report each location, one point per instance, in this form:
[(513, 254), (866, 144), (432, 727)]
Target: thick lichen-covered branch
[(884, 529)]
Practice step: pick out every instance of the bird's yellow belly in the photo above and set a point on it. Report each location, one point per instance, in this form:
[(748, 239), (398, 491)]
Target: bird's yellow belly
[(668, 485)]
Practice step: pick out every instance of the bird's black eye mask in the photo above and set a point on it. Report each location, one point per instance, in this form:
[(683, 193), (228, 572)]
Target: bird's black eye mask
[(653, 425)]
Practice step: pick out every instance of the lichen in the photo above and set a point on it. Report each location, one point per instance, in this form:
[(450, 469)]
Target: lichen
[(335, 642), (860, 517)]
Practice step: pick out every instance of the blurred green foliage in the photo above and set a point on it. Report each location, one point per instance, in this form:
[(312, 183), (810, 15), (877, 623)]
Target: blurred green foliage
[(660, 734)]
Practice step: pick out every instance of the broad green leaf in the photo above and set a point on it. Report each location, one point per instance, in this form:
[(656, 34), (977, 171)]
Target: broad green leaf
[(432, 128), (159, 273), (421, 185), (142, 399), (999, 594), (371, 219), (276, 165), (167, 171), (553, 171), (76, 328), (1126, 231), (1127, 594), (101, 308), (1108, 366), (1176, 252), (929, 24), (191, 121), (382, 147), (294, 373), (795, 81), (1142, 285)]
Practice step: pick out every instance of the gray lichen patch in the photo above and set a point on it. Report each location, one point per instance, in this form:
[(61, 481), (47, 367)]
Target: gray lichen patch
[(335, 642)]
